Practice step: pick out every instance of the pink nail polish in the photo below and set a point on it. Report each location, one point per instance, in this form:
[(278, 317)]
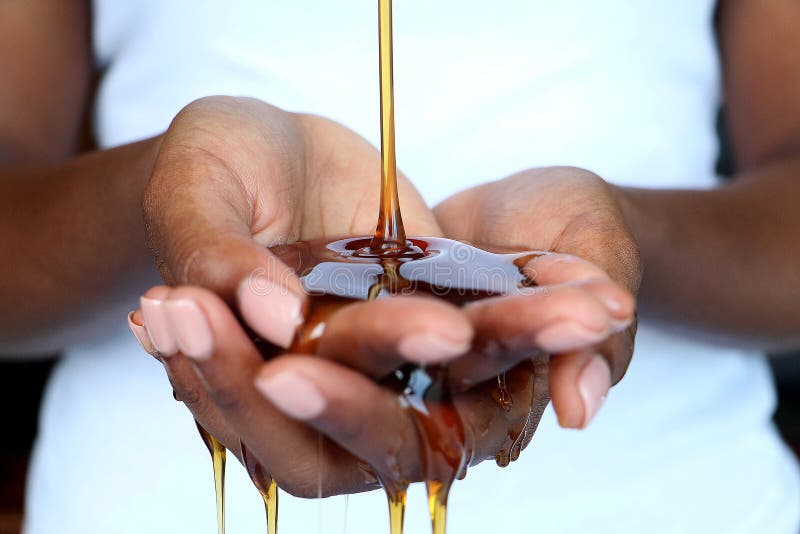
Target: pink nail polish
[(594, 383), (141, 335), (293, 394), (274, 312), (431, 348), (566, 336), (157, 325), (191, 328)]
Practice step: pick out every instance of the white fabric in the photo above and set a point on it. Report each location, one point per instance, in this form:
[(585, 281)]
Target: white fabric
[(627, 89)]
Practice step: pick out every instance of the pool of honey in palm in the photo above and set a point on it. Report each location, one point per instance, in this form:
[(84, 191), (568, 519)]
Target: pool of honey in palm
[(335, 274)]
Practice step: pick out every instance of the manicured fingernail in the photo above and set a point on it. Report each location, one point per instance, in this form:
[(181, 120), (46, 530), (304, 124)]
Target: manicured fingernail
[(157, 324), (431, 348), (274, 312), (141, 335), (593, 385), (568, 335), (292, 394), (191, 328)]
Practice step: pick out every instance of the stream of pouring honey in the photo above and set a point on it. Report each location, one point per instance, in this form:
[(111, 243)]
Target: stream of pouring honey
[(390, 233)]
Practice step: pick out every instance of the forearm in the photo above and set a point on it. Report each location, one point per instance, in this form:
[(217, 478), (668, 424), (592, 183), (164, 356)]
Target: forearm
[(724, 263), (72, 241)]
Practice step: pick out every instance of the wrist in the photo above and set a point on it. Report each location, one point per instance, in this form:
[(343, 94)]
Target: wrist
[(130, 183), (641, 219)]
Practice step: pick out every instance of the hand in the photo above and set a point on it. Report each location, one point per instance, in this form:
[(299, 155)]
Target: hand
[(309, 394), (233, 177), (575, 214)]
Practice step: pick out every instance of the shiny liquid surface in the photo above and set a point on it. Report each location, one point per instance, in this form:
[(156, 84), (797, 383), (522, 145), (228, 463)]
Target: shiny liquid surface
[(335, 274)]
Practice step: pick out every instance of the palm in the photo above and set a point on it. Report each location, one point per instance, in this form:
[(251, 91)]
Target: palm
[(562, 210)]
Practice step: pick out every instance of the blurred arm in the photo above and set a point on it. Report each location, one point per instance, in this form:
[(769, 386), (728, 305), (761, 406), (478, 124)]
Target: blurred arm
[(71, 231), (726, 263)]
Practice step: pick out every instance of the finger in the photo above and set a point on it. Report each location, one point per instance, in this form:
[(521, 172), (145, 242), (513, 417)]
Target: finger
[(514, 328), (378, 337), (372, 423), (580, 381), (555, 269), (271, 302), (552, 269), (579, 385), (206, 331), (501, 416), (186, 385), (362, 417)]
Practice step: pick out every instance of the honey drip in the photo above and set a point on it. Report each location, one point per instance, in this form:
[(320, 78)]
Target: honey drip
[(437, 504), (501, 395), (397, 512), (442, 436), (266, 486), (218, 457)]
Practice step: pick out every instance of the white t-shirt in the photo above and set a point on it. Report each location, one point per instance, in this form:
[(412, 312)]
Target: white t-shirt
[(626, 89)]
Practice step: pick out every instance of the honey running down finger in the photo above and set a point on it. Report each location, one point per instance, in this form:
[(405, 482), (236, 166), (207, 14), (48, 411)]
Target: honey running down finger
[(218, 458), (266, 486)]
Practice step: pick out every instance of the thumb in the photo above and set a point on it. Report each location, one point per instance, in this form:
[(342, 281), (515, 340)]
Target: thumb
[(197, 215)]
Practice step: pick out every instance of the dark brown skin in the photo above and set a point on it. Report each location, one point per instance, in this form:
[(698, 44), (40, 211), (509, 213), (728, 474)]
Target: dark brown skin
[(45, 68), (74, 248), (63, 260), (736, 250)]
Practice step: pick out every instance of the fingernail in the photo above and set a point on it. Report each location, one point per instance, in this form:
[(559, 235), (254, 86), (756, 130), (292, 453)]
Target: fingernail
[(293, 395), (191, 328), (272, 311), (157, 325), (593, 385), (567, 335), (141, 335), (619, 311), (431, 348)]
